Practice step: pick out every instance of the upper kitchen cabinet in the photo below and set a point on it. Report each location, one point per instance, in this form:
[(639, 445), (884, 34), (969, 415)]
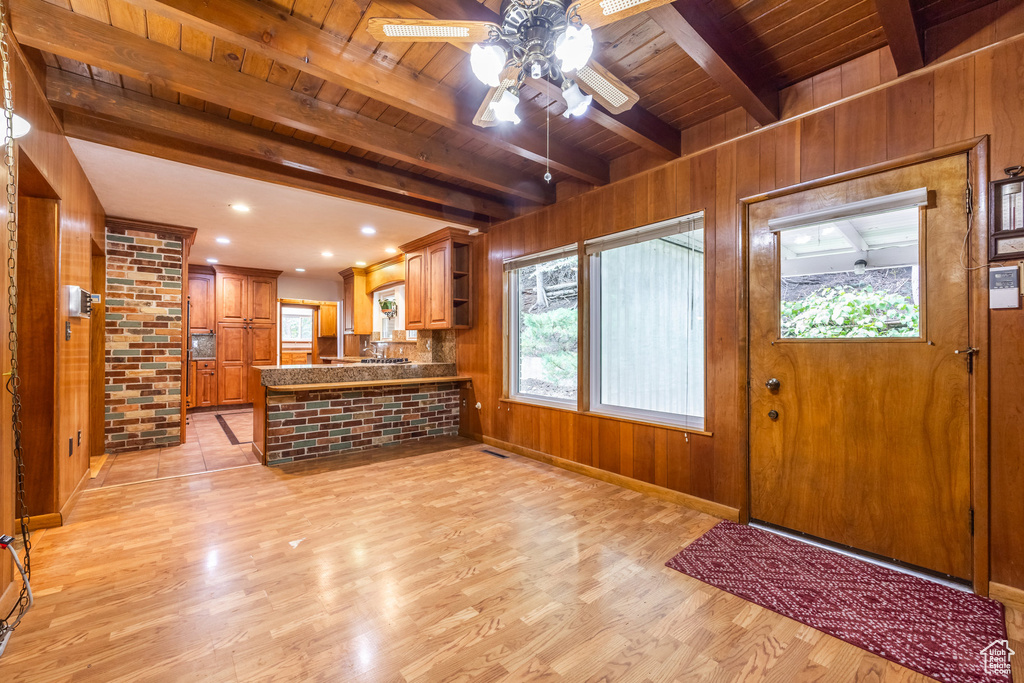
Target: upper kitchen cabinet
[(246, 295), (437, 281), (358, 305), (201, 300), (328, 320)]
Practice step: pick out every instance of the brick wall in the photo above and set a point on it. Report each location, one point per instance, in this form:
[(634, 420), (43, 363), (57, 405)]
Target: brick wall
[(313, 424), (143, 339)]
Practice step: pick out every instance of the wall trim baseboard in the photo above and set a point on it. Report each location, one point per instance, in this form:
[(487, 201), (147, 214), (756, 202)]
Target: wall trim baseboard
[(1008, 595), (51, 520), (708, 507), (72, 500)]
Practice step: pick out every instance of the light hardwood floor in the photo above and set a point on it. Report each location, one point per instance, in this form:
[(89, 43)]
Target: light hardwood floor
[(442, 563)]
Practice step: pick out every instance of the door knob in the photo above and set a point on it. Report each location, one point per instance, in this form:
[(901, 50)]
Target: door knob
[(773, 414), (773, 384)]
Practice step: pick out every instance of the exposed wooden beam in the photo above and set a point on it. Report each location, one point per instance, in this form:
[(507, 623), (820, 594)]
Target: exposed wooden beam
[(130, 139), (691, 26), (637, 125), (276, 35), (47, 27), (901, 33), (76, 93)]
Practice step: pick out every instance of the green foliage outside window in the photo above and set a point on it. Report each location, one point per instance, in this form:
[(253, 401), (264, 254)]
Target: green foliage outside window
[(551, 336), (837, 312)]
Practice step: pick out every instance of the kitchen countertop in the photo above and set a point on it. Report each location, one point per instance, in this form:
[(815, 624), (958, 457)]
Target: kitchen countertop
[(289, 375)]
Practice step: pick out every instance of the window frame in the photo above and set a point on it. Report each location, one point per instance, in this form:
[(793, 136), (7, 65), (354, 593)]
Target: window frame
[(691, 423), (510, 317)]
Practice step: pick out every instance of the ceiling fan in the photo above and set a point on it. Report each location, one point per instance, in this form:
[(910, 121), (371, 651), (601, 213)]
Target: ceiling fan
[(537, 39)]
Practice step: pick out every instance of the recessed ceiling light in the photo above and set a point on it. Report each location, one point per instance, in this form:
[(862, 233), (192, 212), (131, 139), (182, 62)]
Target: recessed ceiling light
[(242, 208), (223, 240), (326, 254), (300, 270), (211, 260), (360, 263), (369, 231), (391, 250)]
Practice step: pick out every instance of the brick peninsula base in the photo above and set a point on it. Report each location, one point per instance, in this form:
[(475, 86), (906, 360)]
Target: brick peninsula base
[(310, 424)]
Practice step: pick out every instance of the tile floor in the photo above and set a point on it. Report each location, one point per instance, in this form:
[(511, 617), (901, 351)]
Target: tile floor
[(207, 448)]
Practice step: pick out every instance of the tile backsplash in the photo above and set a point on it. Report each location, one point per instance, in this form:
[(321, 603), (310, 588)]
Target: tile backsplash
[(431, 346), (204, 346)]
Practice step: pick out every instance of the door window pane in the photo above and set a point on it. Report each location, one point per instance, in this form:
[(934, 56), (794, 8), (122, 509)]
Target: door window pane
[(851, 279)]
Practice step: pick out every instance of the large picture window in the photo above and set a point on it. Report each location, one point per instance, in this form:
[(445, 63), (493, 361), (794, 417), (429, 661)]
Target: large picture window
[(296, 324), (542, 302), (647, 322)]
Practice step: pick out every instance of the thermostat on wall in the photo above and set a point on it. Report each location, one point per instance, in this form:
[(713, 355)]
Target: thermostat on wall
[(1004, 287)]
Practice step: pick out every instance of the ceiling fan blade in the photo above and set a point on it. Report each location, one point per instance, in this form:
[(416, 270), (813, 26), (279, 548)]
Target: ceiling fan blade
[(485, 116), (613, 94), (600, 12), (429, 30)]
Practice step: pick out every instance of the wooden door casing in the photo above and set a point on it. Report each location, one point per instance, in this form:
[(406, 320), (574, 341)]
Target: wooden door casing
[(232, 295), (439, 286), (415, 284), (872, 445), (262, 297)]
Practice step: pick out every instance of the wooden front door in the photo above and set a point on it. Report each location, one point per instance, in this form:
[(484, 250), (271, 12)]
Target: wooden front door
[(865, 441)]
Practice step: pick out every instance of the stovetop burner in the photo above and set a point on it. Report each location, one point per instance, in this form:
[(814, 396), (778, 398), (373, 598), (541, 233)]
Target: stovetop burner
[(387, 361)]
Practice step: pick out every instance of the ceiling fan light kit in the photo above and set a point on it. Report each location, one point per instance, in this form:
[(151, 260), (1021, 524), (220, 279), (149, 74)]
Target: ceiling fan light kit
[(539, 39)]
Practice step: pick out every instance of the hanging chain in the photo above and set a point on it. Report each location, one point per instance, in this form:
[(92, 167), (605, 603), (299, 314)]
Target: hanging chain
[(547, 140), (14, 380)]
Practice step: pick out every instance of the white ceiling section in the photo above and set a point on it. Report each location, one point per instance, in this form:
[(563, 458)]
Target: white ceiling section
[(284, 230)]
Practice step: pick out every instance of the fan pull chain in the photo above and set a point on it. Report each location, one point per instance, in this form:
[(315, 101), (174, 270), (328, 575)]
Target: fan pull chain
[(547, 140)]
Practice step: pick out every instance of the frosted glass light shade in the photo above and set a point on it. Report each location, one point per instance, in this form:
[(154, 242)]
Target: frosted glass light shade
[(487, 62), (505, 108), (575, 101), (574, 47)]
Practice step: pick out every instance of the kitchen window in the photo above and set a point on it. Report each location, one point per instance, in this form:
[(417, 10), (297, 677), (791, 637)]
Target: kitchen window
[(542, 334), (296, 324), (647, 323)]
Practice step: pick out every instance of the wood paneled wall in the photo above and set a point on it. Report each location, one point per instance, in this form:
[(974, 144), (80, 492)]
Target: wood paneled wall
[(81, 225), (850, 117)]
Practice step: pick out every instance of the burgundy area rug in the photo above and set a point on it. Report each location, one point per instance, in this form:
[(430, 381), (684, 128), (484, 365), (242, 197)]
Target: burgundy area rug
[(950, 635)]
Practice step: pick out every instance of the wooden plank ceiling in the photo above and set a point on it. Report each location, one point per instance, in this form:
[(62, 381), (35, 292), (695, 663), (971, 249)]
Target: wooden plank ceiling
[(297, 92)]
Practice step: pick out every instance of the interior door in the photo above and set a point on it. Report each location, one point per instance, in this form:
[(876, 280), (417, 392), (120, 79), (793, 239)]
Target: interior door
[(859, 414)]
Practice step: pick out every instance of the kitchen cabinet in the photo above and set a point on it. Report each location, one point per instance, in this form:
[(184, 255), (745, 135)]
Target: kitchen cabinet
[(358, 305), (437, 281), (202, 308), (205, 383), (328, 321), (232, 304), (415, 279), (246, 314)]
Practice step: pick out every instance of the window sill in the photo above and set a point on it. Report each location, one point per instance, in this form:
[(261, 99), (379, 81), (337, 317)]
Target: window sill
[(606, 416), (647, 423), (540, 403)]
